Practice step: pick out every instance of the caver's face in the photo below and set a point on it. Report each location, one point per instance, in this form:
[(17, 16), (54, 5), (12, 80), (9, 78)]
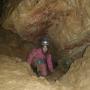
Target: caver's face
[(45, 49)]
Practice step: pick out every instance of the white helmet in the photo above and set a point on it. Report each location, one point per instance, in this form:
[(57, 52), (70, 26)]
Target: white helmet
[(45, 42)]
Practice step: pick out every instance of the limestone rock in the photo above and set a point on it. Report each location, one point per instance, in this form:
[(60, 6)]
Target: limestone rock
[(66, 22), (78, 77)]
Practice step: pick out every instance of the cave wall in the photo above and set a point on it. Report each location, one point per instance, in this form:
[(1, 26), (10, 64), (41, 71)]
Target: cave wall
[(11, 44), (7, 7), (66, 22), (78, 77), (62, 16)]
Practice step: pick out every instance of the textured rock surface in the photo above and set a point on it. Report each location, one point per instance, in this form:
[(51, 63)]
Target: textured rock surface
[(15, 76), (77, 77), (12, 44), (67, 22)]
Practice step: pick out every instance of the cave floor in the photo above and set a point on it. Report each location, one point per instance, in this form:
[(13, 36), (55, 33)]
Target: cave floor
[(14, 75)]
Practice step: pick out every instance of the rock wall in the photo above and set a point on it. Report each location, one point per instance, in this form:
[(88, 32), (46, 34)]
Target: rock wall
[(78, 77), (6, 8), (11, 44), (66, 22)]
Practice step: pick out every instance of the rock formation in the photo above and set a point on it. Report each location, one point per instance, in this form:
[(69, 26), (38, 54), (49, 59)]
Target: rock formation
[(66, 22)]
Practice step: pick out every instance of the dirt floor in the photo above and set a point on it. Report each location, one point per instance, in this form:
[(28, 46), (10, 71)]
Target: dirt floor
[(15, 75)]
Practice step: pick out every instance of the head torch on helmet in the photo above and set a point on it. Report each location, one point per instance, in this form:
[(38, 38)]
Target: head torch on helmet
[(45, 41)]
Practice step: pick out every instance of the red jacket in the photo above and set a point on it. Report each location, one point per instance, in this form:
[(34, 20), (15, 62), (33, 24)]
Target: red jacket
[(38, 54)]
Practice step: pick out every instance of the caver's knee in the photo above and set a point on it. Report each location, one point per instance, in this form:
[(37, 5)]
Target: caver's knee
[(43, 73)]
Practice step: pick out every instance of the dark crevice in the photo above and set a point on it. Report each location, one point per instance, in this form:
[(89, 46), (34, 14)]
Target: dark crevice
[(7, 7)]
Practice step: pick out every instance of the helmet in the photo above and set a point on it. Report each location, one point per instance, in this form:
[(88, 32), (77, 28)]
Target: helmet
[(45, 41)]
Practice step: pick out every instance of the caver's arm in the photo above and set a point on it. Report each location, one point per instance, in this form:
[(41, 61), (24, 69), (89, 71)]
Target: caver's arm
[(31, 56), (30, 60), (50, 64)]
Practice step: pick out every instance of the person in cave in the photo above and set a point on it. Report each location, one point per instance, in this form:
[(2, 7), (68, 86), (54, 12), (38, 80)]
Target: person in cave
[(40, 59)]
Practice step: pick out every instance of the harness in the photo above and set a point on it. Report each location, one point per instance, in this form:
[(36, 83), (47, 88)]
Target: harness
[(40, 61), (37, 64)]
